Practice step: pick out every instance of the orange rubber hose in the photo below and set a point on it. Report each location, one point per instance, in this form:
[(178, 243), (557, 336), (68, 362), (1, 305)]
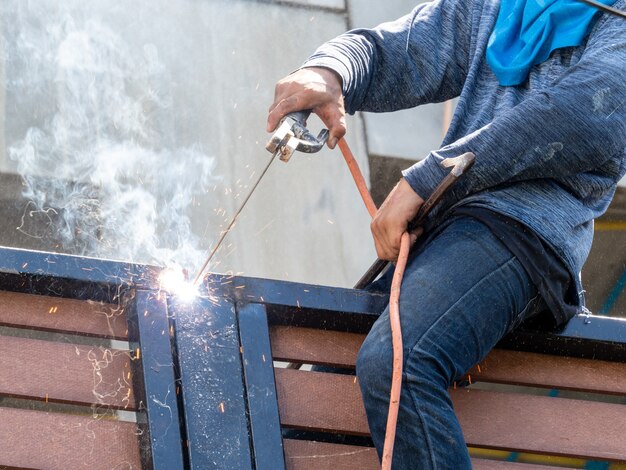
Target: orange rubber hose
[(394, 309), (358, 177), (396, 339)]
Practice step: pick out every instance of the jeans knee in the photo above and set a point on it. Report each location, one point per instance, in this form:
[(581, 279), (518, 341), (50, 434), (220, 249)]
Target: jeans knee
[(374, 365)]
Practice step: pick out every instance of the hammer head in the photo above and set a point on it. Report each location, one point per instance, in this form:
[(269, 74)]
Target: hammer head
[(459, 164), (293, 135)]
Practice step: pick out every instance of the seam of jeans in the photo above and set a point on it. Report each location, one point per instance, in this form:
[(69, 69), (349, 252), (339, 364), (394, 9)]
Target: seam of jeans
[(461, 298), (425, 433)]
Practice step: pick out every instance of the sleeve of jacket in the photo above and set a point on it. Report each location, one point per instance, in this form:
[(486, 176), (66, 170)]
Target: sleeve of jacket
[(573, 127), (420, 58)]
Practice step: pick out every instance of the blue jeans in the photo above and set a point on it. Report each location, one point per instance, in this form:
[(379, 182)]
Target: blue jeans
[(462, 292)]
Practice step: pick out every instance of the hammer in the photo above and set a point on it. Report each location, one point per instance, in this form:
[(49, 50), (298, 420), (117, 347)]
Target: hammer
[(459, 166)]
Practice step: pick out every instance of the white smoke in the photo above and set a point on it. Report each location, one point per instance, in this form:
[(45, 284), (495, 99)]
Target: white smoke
[(100, 158)]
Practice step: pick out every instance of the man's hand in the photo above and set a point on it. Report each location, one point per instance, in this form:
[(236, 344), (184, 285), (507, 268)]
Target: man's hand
[(313, 88), (391, 220)]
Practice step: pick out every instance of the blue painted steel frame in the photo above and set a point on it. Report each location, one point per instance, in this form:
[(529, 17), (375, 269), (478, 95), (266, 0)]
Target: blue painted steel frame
[(350, 310), (235, 313), (226, 368), (260, 387), (213, 393), (149, 333)]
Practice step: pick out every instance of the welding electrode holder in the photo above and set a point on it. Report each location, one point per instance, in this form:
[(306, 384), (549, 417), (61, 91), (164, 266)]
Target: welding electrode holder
[(459, 165), (292, 135)]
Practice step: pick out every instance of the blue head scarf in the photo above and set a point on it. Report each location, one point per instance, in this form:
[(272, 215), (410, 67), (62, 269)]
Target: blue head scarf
[(527, 31)]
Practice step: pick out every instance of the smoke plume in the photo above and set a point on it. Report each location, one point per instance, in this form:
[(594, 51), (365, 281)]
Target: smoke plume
[(98, 156)]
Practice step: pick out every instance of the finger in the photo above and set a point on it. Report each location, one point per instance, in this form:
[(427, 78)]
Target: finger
[(383, 251), (282, 108), (415, 234), (336, 132), (384, 241), (378, 241), (333, 116), (380, 237)]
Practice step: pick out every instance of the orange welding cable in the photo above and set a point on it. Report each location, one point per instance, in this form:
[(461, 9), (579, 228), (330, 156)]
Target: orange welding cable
[(394, 309), (396, 340), (358, 177)]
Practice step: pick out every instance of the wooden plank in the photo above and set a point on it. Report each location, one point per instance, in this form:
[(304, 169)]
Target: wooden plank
[(561, 372), (62, 315), (315, 346), (509, 421), (335, 348), (555, 426), (67, 373), (305, 455), (54, 441), (484, 464), (317, 401)]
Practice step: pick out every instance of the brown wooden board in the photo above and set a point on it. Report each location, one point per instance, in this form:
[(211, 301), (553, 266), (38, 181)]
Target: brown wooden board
[(484, 464), (509, 421), (314, 346), (543, 370), (335, 348), (305, 455), (63, 315), (55, 441), (556, 426), (67, 373), (320, 402)]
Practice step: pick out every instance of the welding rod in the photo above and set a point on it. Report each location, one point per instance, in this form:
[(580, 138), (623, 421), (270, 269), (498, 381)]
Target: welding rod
[(232, 221)]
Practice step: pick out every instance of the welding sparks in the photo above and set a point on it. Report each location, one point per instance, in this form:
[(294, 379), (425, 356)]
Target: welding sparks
[(176, 283)]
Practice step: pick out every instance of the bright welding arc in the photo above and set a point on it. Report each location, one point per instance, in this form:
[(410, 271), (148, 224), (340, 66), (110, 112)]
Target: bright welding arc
[(232, 222)]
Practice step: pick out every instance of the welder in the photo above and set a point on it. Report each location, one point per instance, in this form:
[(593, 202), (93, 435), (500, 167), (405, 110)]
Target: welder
[(542, 104)]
